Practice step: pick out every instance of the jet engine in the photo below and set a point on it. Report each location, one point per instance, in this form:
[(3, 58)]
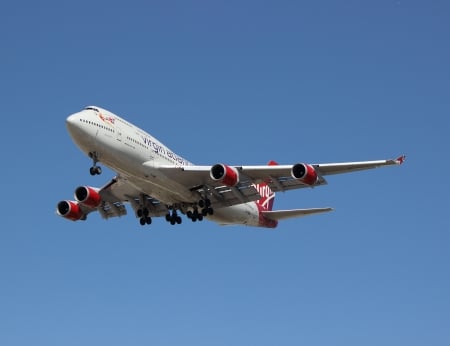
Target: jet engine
[(305, 173), (227, 175), (88, 196), (70, 210)]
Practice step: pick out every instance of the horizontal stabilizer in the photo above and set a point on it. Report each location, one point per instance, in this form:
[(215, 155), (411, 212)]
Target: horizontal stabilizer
[(287, 214)]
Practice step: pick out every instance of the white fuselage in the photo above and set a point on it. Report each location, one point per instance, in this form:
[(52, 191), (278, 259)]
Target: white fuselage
[(124, 148)]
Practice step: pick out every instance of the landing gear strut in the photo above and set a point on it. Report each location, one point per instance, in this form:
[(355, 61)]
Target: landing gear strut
[(94, 170)]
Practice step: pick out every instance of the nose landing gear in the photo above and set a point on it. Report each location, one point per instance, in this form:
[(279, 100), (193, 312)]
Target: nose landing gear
[(94, 170)]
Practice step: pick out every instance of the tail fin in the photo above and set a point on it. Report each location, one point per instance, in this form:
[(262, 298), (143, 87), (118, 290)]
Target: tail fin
[(267, 195), (269, 218)]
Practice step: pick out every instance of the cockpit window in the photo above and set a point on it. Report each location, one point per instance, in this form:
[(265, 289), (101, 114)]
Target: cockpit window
[(92, 109)]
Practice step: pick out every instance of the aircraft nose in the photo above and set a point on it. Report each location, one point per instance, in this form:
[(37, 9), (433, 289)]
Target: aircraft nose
[(73, 123), (72, 119)]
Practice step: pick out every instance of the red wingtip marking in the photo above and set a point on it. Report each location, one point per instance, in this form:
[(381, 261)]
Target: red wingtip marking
[(273, 163)]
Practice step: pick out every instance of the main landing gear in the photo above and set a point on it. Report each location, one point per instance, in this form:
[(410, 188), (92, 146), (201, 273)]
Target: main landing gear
[(144, 219), (173, 218), (198, 215), (94, 170)]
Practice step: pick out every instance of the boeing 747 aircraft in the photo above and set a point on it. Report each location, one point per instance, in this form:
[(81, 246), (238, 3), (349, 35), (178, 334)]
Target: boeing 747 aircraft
[(156, 182)]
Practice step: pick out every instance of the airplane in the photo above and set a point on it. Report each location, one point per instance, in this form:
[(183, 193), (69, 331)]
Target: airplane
[(157, 182)]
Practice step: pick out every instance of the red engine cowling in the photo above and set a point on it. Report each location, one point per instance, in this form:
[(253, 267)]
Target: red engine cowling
[(70, 210), (304, 172), (227, 175), (88, 196)]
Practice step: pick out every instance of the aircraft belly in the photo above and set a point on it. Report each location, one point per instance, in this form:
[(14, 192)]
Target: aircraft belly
[(246, 214)]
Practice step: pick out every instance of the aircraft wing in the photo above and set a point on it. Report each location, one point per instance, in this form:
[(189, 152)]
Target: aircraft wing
[(119, 191), (285, 171), (278, 177)]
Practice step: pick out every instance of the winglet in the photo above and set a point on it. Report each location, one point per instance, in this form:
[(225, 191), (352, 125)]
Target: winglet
[(399, 160)]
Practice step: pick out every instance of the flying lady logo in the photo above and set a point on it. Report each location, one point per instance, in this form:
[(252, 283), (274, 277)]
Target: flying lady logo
[(264, 190), (266, 193), (267, 196), (107, 119)]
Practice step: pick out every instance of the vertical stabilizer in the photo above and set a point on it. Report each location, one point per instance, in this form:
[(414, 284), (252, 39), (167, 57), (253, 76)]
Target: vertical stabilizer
[(267, 195), (265, 203)]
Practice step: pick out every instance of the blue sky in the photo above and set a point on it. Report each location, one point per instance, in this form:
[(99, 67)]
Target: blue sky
[(240, 82)]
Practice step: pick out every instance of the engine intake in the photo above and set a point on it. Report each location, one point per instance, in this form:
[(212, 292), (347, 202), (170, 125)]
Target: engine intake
[(88, 196), (70, 210), (227, 175), (305, 173)]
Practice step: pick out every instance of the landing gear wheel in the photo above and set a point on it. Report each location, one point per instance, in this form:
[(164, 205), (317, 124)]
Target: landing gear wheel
[(207, 211), (145, 220), (95, 170), (172, 216), (196, 215)]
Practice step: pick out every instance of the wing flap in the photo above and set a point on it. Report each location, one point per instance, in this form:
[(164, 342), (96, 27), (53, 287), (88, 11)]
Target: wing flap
[(227, 196), (112, 209), (120, 190)]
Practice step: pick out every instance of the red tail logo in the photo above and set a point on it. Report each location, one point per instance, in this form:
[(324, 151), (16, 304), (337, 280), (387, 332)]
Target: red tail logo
[(267, 195)]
